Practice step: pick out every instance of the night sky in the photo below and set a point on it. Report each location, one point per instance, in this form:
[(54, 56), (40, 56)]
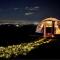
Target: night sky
[(31, 10)]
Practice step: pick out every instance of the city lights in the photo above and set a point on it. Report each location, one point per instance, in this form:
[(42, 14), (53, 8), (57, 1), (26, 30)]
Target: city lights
[(17, 25)]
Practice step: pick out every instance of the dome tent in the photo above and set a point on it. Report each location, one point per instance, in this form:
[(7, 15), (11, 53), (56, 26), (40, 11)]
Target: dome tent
[(49, 27)]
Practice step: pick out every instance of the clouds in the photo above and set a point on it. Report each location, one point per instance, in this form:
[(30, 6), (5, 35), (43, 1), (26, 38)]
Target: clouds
[(26, 11), (31, 10), (15, 9), (36, 7), (29, 13), (9, 9)]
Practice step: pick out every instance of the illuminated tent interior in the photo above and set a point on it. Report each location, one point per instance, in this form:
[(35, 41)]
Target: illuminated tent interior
[(49, 27)]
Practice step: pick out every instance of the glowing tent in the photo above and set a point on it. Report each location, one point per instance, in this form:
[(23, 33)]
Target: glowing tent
[(49, 27)]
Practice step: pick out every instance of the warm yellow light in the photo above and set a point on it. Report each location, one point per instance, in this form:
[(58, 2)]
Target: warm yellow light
[(48, 23), (57, 31), (22, 48), (56, 26)]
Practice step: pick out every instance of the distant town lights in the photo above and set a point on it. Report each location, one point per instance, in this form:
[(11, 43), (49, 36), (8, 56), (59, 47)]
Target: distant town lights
[(17, 25)]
